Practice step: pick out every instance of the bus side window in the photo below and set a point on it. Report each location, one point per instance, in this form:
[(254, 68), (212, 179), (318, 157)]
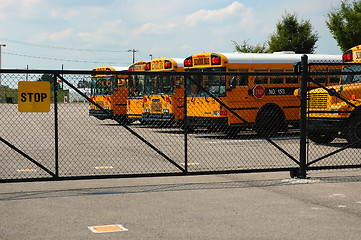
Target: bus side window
[(261, 79), (276, 79), (335, 78), (238, 80), (291, 79), (321, 78)]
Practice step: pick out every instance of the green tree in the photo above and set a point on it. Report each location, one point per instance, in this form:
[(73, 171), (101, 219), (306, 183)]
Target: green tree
[(247, 48), (46, 77), (292, 35), (344, 24)]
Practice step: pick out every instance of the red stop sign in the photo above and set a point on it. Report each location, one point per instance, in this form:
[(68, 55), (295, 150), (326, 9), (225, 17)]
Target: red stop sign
[(259, 91)]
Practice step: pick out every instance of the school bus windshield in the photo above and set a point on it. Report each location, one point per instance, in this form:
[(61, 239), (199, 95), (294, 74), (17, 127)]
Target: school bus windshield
[(102, 85), (215, 84), (348, 79), (136, 86), (155, 84)]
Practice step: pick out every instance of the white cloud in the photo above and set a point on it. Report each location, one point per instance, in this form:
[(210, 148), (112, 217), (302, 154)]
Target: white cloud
[(56, 36), (20, 8), (213, 15), (152, 28), (66, 14)]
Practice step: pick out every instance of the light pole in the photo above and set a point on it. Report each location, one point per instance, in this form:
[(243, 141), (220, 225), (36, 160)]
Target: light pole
[(133, 51), (1, 45)]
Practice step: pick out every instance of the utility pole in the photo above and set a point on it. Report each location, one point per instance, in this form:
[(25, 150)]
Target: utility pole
[(1, 45), (134, 51)]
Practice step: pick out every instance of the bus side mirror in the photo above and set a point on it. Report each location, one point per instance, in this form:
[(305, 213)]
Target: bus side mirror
[(232, 82), (297, 68)]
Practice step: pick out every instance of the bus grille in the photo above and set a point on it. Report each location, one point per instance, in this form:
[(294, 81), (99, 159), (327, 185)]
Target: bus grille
[(318, 100)]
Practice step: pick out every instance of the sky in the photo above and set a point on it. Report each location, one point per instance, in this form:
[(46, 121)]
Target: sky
[(84, 34)]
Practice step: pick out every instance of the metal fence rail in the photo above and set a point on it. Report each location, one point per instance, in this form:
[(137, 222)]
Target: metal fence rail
[(66, 143)]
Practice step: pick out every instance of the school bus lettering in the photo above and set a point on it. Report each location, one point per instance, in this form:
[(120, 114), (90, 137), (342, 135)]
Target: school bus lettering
[(357, 55), (139, 67), (156, 66), (201, 61)]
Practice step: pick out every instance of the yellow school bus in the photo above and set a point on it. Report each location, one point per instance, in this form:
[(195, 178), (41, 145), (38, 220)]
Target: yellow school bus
[(330, 116), (135, 106), (163, 95), (110, 91), (266, 103)]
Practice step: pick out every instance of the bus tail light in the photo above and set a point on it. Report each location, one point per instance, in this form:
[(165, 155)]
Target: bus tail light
[(188, 62), (342, 112), (145, 99), (353, 97), (147, 66), (167, 64), (215, 59), (347, 56), (167, 99), (223, 113), (108, 99), (128, 102)]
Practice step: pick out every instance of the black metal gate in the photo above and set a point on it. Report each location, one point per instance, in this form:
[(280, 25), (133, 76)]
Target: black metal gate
[(68, 144)]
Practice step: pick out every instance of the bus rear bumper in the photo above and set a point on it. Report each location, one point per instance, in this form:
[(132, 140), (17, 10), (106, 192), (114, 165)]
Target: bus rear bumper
[(158, 117), (100, 114)]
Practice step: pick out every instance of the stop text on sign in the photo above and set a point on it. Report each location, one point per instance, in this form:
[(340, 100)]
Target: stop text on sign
[(34, 96)]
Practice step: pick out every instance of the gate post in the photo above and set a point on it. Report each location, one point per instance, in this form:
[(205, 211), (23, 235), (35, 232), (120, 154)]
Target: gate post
[(185, 125), (56, 149), (303, 118)]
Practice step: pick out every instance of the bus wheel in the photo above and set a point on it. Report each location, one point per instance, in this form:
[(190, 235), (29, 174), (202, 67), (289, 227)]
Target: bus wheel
[(269, 121), (353, 132), (322, 137)]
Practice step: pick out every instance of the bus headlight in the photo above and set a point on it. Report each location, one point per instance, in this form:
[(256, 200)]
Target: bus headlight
[(106, 107), (92, 107), (216, 113), (166, 110), (146, 110)]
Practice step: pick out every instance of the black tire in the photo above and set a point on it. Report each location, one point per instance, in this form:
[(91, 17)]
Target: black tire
[(270, 121), (353, 132), (322, 137)]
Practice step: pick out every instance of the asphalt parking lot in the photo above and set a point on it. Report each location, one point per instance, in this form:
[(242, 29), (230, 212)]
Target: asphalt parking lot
[(242, 206)]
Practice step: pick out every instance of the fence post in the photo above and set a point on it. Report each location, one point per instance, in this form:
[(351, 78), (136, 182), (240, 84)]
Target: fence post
[(56, 148), (303, 118), (185, 125)]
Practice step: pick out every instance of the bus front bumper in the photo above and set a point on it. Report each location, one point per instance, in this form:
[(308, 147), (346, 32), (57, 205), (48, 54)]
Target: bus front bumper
[(317, 124)]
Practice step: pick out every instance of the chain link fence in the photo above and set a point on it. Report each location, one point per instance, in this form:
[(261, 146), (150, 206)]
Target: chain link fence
[(204, 123)]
